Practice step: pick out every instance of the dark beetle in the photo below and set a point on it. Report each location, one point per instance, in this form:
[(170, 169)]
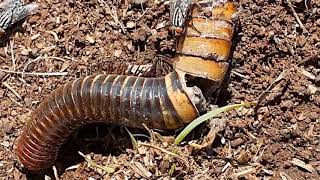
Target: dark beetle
[(12, 11)]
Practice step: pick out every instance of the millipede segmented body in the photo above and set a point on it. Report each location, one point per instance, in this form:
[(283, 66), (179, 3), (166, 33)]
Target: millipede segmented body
[(119, 99), (204, 49), (164, 103)]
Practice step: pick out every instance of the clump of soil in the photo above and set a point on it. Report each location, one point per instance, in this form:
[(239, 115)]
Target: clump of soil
[(280, 139)]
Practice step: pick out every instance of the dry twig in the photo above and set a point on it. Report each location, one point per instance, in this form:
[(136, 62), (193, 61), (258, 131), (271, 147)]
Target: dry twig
[(243, 173), (114, 15), (166, 152), (264, 94), (36, 73), (12, 56), (296, 16), (55, 173), (12, 90)]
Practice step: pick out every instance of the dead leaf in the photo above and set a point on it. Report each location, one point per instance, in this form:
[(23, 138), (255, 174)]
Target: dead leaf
[(302, 164)]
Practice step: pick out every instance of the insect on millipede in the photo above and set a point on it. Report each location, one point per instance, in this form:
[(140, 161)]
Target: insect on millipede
[(12, 11), (167, 102)]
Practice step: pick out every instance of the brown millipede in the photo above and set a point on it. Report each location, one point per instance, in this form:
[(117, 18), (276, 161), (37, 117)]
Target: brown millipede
[(165, 103), (118, 99)]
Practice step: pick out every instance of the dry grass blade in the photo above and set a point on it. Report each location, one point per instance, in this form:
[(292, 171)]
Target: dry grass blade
[(12, 90), (211, 136), (36, 73), (166, 151), (108, 169), (133, 140), (302, 164), (55, 172), (160, 149), (243, 173), (141, 170), (207, 116), (296, 16)]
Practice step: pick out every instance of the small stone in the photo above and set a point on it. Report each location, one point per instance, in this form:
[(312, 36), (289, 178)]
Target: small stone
[(312, 89), (24, 52), (236, 142), (47, 177), (13, 113), (293, 120), (284, 132), (5, 144), (131, 24), (244, 157), (90, 39), (301, 117), (1, 93), (34, 51), (312, 115), (117, 53), (287, 104), (2, 74), (139, 1), (7, 126), (302, 164), (142, 150)]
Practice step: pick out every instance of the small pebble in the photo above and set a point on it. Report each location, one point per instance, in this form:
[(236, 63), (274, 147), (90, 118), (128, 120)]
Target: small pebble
[(237, 142), (131, 24), (2, 74), (139, 1), (90, 39), (7, 126), (5, 144), (1, 93)]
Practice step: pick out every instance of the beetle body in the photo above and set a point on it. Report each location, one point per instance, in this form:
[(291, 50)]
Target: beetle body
[(12, 11)]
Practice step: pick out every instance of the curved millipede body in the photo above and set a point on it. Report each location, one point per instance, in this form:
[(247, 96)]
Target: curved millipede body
[(164, 103), (118, 99)]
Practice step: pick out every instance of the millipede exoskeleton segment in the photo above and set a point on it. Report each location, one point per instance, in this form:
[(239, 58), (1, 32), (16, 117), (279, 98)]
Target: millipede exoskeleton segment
[(124, 100), (205, 48), (168, 102)]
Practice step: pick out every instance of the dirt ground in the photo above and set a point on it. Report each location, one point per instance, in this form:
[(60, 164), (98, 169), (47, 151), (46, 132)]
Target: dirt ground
[(78, 38)]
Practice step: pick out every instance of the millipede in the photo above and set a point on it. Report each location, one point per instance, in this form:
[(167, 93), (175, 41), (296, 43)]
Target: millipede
[(166, 102)]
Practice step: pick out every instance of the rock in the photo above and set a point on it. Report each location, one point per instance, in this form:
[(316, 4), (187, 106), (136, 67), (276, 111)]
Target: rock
[(130, 24), (139, 1), (90, 39), (236, 142), (302, 164), (7, 126), (244, 157), (1, 93), (2, 74), (117, 53)]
